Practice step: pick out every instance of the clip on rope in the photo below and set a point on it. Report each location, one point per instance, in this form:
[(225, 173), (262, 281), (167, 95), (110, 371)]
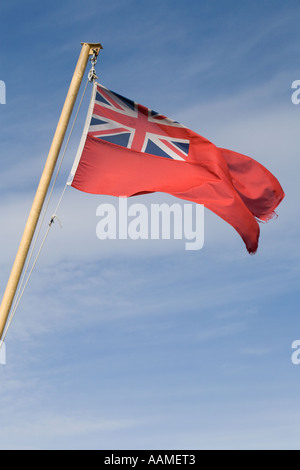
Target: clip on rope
[(52, 220), (92, 73)]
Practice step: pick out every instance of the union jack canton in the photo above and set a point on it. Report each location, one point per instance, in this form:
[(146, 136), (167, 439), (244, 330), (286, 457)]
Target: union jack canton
[(123, 122)]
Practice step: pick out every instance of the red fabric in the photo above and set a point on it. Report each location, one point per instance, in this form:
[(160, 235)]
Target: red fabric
[(257, 187), (233, 186)]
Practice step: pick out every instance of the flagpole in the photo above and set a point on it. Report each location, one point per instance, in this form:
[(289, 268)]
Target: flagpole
[(16, 272)]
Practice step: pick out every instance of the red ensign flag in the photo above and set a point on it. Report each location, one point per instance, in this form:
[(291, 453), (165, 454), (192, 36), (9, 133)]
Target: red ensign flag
[(127, 149)]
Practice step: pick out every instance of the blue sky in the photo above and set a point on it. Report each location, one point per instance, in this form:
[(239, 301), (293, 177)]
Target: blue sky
[(127, 345)]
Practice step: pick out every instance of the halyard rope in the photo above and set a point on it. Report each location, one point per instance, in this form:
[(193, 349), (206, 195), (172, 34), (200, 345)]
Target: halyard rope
[(23, 282)]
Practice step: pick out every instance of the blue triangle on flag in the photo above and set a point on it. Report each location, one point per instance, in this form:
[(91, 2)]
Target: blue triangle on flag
[(129, 102), (118, 139), (96, 121), (184, 146), (99, 97), (154, 149)]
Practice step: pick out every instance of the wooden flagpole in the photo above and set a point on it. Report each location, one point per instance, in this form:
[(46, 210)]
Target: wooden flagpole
[(16, 272)]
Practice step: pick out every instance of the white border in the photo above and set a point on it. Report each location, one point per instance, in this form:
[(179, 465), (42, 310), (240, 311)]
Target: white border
[(84, 135)]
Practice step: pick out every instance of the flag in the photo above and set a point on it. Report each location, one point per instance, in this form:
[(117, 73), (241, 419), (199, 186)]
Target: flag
[(127, 149)]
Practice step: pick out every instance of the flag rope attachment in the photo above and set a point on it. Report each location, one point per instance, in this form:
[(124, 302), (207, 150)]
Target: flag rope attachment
[(23, 284), (92, 73)]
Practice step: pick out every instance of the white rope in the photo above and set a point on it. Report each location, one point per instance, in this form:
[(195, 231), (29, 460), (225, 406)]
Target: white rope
[(24, 287), (23, 283), (50, 195)]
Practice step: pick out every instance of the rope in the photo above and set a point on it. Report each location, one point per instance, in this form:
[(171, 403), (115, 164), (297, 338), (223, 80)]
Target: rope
[(18, 300), (23, 283), (50, 195)]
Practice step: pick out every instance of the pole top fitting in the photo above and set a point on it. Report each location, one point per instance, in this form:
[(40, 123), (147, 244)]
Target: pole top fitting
[(94, 47)]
